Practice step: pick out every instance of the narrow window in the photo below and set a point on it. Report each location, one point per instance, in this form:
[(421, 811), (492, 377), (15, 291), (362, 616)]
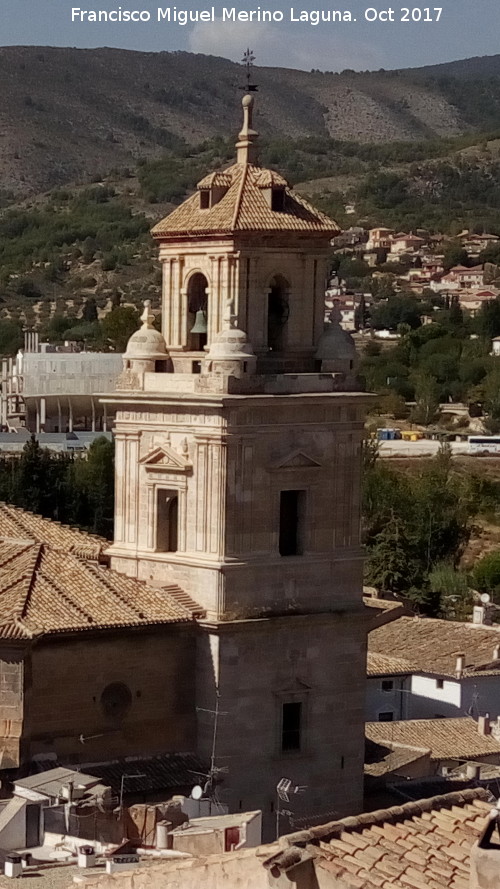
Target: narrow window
[(204, 199), (387, 684), (292, 512), (439, 683), (278, 199), (167, 521), (291, 726), (386, 716)]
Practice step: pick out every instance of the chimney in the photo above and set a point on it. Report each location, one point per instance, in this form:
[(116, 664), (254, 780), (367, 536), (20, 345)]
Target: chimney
[(459, 666), (483, 725), (496, 653)]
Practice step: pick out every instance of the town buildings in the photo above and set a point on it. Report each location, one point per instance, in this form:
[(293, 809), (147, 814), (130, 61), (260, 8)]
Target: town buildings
[(420, 668)]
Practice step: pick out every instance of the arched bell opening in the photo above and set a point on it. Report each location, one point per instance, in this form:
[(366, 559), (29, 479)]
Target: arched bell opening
[(197, 320), (278, 310)]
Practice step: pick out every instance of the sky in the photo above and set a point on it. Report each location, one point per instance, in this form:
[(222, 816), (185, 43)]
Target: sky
[(466, 28)]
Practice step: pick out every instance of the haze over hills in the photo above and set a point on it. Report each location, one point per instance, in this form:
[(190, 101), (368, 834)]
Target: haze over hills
[(67, 114)]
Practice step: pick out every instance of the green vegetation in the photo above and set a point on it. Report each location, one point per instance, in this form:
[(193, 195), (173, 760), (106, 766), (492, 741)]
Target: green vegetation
[(90, 221), (65, 487), (438, 362), (415, 527)]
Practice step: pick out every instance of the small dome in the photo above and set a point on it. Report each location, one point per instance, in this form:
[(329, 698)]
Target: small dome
[(335, 343), (229, 345), (147, 343)]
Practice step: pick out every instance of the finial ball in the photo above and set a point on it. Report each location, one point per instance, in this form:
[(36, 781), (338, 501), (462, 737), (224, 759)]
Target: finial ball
[(247, 101)]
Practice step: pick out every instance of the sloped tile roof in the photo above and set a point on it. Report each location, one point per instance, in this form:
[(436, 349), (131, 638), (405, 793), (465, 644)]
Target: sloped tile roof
[(446, 738), (386, 665), (433, 645), (19, 524), (244, 208), (393, 758), (419, 845), (44, 590)]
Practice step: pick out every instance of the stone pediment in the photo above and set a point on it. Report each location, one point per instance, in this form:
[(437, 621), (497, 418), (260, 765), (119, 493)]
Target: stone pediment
[(296, 686), (296, 460), (165, 459)]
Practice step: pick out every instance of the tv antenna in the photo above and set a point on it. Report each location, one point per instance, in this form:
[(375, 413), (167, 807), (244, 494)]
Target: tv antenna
[(285, 788), (209, 789), (248, 60)]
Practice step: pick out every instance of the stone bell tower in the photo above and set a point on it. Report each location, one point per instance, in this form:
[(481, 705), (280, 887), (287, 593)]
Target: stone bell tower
[(238, 454)]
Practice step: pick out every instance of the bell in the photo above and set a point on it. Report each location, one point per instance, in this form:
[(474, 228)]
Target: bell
[(200, 322)]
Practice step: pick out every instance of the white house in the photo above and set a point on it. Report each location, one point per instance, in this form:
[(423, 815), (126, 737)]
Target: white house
[(424, 668)]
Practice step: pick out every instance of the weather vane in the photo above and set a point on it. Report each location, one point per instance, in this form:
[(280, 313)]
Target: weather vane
[(248, 60)]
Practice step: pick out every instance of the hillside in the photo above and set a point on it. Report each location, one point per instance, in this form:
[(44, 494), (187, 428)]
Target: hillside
[(70, 114)]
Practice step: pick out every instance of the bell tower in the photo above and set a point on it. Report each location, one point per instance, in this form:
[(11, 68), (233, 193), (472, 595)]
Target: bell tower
[(238, 464)]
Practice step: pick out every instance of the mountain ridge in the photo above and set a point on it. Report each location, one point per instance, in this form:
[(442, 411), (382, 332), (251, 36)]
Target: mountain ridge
[(69, 114)]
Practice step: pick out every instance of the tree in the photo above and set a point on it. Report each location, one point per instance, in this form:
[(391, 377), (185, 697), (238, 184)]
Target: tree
[(11, 337), (486, 573), (361, 314), (398, 309), (487, 320), (395, 405), (389, 561), (454, 254), (456, 316), (118, 326), (89, 314), (93, 483), (426, 408)]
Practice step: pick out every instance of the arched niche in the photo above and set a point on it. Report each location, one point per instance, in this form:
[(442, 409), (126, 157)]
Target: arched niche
[(197, 301), (278, 310)]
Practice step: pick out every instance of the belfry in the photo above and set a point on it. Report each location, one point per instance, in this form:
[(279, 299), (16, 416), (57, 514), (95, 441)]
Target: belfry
[(238, 457)]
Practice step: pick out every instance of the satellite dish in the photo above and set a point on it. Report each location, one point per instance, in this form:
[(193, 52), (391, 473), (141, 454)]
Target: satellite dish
[(485, 598), (196, 792)]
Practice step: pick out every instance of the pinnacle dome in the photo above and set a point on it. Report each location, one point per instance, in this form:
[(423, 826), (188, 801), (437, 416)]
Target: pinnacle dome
[(147, 343), (231, 344)]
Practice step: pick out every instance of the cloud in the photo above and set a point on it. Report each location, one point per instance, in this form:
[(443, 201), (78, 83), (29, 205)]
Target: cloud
[(285, 45)]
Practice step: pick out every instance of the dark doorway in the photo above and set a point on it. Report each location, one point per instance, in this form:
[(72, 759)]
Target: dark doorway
[(32, 825)]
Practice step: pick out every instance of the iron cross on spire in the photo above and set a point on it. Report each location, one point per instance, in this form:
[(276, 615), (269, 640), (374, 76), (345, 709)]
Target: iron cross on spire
[(248, 60)]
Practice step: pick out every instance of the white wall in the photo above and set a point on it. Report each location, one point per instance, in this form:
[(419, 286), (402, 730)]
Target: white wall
[(428, 701)]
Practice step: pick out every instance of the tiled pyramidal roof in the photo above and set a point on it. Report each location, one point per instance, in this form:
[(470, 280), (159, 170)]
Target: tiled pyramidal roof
[(44, 590), (244, 208), (419, 845)]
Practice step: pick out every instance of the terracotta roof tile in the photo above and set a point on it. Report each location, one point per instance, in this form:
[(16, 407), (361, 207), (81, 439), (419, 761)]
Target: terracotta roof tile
[(433, 645), (19, 524), (386, 665), (244, 208), (44, 590), (413, 846), (454, 738)]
